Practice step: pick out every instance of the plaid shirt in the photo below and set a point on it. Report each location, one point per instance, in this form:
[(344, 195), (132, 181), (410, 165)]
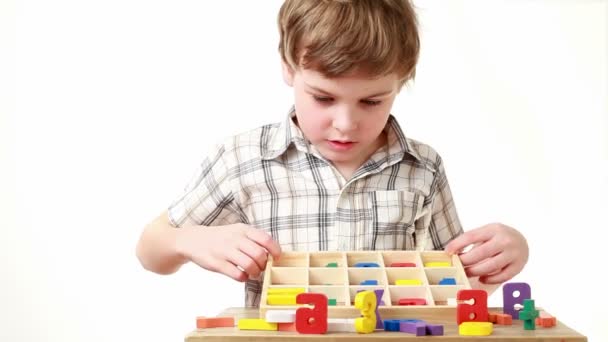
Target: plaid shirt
[(272, 178)]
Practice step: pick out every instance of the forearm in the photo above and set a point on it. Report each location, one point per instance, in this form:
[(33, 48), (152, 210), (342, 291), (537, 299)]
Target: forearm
[(157, 247)]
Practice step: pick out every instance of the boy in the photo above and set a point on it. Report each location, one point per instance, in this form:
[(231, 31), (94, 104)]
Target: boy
[(338, 173)]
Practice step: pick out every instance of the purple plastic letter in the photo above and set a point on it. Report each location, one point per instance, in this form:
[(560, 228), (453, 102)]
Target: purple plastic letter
[(434, 329), (417, 328), (379, 323)]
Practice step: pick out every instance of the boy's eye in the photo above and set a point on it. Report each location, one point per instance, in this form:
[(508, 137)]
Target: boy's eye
[(325, 99), (322, 98), (371, 102)]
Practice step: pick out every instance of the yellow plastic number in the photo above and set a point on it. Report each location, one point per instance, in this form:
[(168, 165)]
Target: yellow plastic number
[(365, 301)]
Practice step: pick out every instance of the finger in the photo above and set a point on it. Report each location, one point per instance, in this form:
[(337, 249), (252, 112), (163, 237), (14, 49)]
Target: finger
[(243, 261), (474, 236), (255, 252), (265, 240), (504, 275), (488, 266), (231, 271), (479, 253)]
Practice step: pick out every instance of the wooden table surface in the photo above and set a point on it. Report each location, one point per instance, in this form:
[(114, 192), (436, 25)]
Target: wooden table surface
[(515, 332)]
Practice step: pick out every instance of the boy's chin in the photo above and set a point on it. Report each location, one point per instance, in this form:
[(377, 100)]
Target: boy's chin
[(340, 157)]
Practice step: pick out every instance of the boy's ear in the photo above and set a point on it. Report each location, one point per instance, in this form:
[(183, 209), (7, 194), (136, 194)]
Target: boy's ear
[(287, 73)]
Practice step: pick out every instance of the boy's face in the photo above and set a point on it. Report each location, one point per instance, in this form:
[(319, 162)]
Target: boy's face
[(342, 117)]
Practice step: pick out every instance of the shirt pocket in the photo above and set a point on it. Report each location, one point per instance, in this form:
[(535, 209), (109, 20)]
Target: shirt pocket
[(393, 217)]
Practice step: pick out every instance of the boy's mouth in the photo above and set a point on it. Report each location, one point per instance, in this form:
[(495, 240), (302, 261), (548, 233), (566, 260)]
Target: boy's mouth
[(341, 145)]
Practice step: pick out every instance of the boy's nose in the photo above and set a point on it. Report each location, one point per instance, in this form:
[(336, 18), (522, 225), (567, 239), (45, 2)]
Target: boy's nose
[(345, 120)]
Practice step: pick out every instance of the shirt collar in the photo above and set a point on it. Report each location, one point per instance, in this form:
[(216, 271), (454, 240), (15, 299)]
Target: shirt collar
[(288, 133), (397, 142)]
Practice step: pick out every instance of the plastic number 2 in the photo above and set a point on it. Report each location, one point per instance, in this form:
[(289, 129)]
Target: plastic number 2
[(365, 301)]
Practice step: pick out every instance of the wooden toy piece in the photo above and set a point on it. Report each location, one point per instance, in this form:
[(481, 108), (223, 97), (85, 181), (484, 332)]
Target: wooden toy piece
[(412, 320), (378, 293), (479, 308), (412, 327), (475, 328), (438, 264), (312, 321), (434, 329), (366, 264), (545, 320), (412, 301), (286, 326), (394, 324), (504, 319), (341, 325), (391, 325), (255, 324), (447, 281), (509, 300), (335, 324), (281, 316), (283, 296), (300, 272), (286, 290), (492, 317), (365, 301), (214, 322), (500, 318), (281, 299), (408, 282), (369, 282), (528, 314)]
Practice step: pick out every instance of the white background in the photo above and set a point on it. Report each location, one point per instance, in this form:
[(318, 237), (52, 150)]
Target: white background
[(107, 107)]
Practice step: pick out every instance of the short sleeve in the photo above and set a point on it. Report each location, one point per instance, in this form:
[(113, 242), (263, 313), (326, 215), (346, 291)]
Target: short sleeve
[(444, 225), (207, 198)]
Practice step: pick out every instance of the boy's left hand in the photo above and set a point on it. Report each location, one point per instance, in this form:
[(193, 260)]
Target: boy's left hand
[(499, 252)]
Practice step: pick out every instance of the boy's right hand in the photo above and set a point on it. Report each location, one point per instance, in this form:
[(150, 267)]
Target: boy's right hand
[(225, 249)]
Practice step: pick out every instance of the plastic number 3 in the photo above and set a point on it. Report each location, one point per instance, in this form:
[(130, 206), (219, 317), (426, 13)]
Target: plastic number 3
[(365, 301)]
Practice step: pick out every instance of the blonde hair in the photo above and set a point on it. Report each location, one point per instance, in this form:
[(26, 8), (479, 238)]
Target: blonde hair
[(341, 37)]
